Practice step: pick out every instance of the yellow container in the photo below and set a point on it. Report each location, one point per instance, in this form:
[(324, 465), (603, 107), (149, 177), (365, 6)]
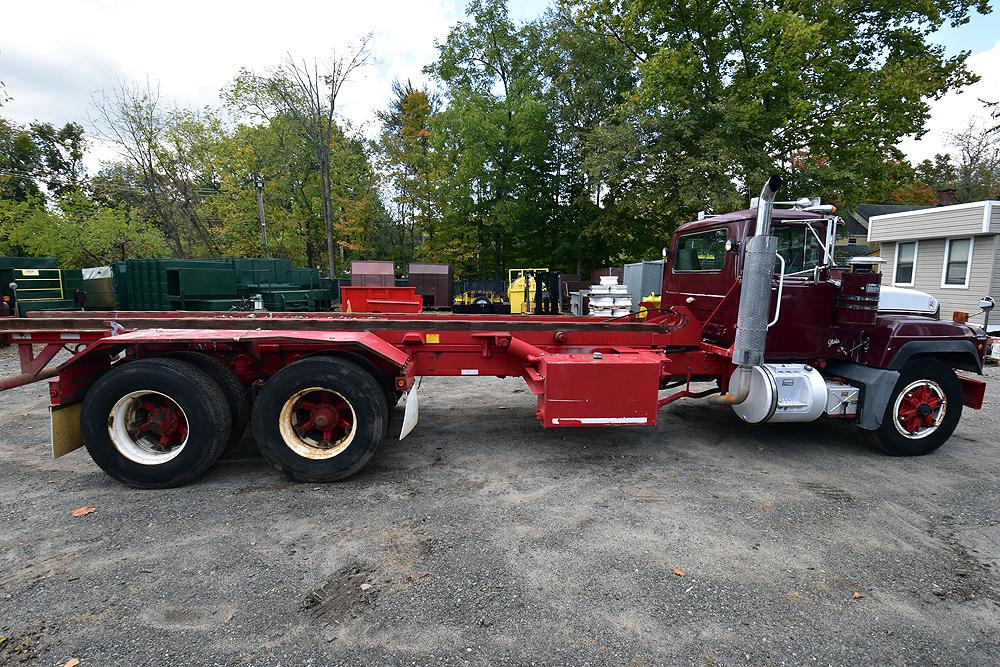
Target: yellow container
[(521, 292)]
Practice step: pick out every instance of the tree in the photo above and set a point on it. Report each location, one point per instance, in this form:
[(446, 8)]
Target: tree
[(938, 173), (977, 168), (152, 141), (310, 98), (60, 152), (586, 77), (79, 232), (40, 154), (272, 147), (408, 157), (729, 92), (973, 173), (494, 142), (274, 154)]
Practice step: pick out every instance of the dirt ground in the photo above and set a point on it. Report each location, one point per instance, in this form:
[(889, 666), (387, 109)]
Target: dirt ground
[(484, 539)]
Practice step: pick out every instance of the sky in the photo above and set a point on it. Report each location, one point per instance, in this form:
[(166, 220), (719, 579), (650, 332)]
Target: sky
[(62, 52)]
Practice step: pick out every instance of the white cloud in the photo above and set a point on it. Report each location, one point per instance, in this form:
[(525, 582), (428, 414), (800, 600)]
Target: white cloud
[(954, 111), (61, 52)]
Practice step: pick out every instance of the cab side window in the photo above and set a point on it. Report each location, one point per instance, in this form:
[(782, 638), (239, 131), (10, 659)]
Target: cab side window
[(704, 251), (799, 248)]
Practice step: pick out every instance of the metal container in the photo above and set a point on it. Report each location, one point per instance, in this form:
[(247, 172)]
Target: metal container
[(100, 293), (376, 273), (433, 282), (495, 286), (375, 299), (578, 302), (165, 284), (643, 279), (41, 287)]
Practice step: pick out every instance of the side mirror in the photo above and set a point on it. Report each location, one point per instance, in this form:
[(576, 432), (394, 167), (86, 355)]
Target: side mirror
[(986, 303)]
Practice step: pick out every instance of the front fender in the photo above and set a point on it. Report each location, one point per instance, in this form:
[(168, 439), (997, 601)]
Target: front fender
[(948, 350), (876, 389)]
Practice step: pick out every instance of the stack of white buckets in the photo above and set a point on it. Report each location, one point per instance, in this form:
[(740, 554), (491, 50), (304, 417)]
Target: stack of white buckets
[(609, 299)]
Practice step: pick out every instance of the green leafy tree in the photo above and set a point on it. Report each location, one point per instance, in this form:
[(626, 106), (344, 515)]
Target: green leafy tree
[(408, 158), (495, 142), (585, 78), (38, 155), (79, 232), (730, 92), (308, 97)]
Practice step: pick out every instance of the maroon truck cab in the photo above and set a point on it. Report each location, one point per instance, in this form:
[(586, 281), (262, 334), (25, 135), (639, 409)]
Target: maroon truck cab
[(833, 324)]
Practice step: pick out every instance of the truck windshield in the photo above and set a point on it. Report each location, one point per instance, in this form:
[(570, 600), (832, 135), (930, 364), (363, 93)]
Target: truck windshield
[(799, 248)]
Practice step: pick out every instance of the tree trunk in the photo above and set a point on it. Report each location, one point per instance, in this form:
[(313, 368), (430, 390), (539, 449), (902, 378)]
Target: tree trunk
[(325, 187)]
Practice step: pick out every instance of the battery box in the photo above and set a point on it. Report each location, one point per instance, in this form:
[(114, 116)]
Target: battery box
[(599, 389)]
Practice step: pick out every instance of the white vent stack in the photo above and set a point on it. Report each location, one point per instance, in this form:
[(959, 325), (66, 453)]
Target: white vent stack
[(609, 299)]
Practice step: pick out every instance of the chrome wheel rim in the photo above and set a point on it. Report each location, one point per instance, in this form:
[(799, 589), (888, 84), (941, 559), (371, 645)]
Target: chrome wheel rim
[(148, 428), (318, 423), (919, 409)]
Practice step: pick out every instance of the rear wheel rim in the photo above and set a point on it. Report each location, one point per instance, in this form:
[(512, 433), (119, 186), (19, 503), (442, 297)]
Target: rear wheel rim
[(148, 428), (919, 409), (318, 423)]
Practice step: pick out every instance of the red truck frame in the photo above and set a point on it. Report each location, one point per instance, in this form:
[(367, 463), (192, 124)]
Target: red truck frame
[(158, 397)]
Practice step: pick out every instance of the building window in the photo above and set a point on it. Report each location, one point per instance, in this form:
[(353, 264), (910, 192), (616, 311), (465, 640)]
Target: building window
[(957, 263), (701, 252), (906, 264)]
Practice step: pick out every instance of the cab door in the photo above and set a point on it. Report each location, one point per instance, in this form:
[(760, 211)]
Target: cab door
[(701, 270), (805, 321)]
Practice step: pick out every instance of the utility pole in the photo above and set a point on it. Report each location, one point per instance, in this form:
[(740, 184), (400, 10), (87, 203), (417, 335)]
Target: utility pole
[(259, 182)]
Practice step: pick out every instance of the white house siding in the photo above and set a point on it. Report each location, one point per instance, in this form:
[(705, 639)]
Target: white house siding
[(984, 274), (887, 251), (928, 223), (995, 282), (995, 218)]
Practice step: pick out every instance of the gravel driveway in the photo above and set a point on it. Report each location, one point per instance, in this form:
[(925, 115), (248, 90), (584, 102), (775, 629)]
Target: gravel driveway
[(484, 539)]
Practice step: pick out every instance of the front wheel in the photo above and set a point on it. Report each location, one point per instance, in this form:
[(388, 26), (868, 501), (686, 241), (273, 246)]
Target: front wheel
[(922, 411), (320, 419)]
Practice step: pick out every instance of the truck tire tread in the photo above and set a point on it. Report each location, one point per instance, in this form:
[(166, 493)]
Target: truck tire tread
[(357, 385), (194, 391)]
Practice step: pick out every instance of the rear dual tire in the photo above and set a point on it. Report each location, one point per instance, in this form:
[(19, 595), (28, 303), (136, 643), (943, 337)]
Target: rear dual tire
[(320, 419), (156, 423), (236, 393)]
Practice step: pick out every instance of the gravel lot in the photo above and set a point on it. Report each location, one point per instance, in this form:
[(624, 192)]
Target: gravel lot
[(484, 539)]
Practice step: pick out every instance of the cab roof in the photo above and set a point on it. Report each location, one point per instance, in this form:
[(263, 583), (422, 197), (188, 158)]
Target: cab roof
[(749, 214)]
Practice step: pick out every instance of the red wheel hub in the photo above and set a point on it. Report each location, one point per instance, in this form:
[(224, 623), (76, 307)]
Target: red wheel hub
[(161, 419), (919, 409), (323, 416)]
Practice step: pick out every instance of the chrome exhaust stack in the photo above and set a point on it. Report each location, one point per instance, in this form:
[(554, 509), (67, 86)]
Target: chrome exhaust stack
[(755, 298)]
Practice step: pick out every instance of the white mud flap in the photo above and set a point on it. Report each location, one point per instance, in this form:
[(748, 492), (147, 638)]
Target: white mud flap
[(66, 436), (411, 412)]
